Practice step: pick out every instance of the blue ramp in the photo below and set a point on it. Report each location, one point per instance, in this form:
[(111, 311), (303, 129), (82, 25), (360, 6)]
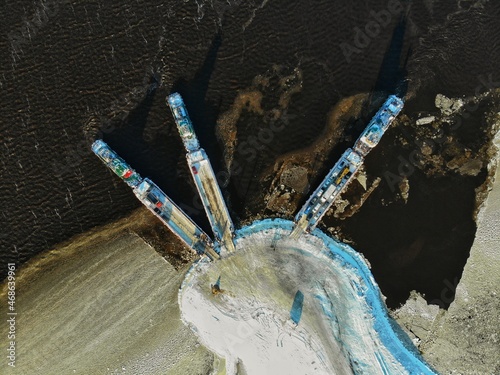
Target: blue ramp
[(296, 311)]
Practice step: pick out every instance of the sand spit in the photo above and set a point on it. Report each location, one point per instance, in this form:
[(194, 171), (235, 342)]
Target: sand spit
[(344, 328), (102, 305)]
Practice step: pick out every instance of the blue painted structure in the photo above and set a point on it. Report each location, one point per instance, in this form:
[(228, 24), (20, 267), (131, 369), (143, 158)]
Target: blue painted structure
[(157, 202), (378, 125), (204, 177), (332, 185), (342, 173), (184, 124), (296, 311), (116, 163)]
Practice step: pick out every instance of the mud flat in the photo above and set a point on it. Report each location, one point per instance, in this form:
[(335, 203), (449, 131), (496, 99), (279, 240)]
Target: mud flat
[(344, 326), (104, 304)]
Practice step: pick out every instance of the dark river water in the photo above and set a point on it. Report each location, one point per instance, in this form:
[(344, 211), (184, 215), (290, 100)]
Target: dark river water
[(71, 71)]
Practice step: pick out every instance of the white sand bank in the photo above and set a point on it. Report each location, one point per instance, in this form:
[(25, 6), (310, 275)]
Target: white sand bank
[(249, 323)]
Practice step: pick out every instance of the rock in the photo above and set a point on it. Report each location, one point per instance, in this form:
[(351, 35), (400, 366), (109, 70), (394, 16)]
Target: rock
[(446, 105), (426, 148), (280, 202), (404, 187), (340, 206), (362, 178), (416, 317), (471, 168), (425, 120), (295, 177), (465, 166)]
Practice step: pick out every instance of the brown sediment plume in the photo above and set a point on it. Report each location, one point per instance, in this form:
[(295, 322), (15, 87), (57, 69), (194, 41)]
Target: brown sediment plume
[(338, 116), (306, 159), (250, 99), (290, 84), (226, 125)]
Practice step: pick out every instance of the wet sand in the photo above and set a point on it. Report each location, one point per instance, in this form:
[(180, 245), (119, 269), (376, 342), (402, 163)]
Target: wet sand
[(106, 304)]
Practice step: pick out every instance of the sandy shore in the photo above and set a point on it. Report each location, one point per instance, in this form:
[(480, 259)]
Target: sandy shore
[(102, 305), (342, 330)]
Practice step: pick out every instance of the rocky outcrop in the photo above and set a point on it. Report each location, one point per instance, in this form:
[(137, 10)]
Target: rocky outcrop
[(448, 106)]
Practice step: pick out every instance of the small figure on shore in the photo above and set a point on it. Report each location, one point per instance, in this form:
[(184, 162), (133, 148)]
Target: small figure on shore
[(216, 287)]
